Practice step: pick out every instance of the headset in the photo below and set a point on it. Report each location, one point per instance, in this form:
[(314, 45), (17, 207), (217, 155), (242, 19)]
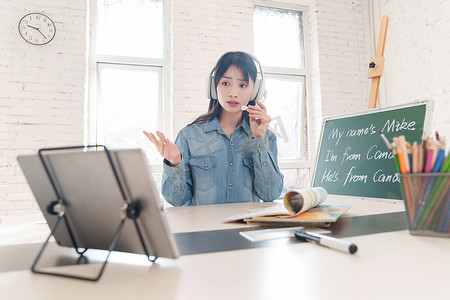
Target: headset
[(259, 90)]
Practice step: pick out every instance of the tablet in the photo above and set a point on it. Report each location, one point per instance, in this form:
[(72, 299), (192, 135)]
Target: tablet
[(94, 199)]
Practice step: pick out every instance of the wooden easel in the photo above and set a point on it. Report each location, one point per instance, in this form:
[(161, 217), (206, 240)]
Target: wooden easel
[(376, 65)]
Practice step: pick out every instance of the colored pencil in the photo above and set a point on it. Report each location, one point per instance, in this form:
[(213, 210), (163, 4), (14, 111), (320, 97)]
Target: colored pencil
[(446, 227), (418, 215), (407, 184), (439, 159), (425, 150), (401, 159), (437, 187), (409, 151), (438, 205), (435, 153), (421, 158), (431, 147), (446, 165), (394, 152), (404, 150), (440, 214), (415, 158)]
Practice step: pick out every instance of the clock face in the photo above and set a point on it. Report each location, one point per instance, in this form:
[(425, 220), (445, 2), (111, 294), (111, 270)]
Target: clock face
[(37, 29)]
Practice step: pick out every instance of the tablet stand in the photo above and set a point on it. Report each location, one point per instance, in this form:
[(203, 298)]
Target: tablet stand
[(129, 210)]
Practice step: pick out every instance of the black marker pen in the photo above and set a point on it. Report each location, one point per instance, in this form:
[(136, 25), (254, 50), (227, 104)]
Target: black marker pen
[(326, 241)]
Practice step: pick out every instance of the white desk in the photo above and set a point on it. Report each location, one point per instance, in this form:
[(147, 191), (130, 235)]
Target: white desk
[(393, 265)]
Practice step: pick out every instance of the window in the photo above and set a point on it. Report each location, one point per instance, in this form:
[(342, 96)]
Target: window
[(279, 45), (279, 37), (127, 74)]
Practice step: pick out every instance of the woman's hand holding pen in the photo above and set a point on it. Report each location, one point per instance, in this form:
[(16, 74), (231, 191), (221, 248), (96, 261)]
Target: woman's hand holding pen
[(259, 119), (165, 147)]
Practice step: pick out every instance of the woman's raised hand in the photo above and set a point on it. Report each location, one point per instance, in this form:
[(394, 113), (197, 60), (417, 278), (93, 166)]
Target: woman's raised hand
[(165, 147), (259, 119)]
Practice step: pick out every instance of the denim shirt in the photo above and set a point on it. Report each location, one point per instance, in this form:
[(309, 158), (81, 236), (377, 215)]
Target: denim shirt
[(216, 169)]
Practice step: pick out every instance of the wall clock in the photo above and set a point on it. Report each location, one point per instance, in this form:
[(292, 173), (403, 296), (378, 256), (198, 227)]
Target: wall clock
[(37, 28)]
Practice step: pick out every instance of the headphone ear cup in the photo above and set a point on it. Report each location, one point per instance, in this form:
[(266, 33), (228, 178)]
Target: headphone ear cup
[(210, 88), (262, 90), (259, 90), (256, 88)]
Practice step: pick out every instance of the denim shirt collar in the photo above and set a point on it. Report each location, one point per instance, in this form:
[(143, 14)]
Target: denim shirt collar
[(215, 125)]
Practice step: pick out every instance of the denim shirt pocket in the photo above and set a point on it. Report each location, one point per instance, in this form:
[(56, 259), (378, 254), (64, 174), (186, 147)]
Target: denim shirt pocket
[(249, 173), (203, 169)]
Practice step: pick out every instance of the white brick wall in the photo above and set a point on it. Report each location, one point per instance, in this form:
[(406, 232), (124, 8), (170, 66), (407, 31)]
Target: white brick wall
[(41, 92), (341, 47), (417, 55)]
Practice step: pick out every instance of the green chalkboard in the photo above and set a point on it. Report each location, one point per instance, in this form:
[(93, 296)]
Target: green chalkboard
[(352, 158)]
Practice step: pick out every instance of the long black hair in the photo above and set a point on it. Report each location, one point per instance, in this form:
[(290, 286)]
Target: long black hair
[(240, 59)]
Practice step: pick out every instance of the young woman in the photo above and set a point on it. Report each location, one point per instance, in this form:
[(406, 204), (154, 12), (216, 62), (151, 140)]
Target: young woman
[(226, 155)]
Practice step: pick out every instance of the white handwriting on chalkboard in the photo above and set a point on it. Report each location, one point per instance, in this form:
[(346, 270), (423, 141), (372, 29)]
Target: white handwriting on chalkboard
[(335, 134), (380, 177), (349, 156), (393, 125), (331, 156), (354, 177), (373, 153), (330, 177), (361, 131)]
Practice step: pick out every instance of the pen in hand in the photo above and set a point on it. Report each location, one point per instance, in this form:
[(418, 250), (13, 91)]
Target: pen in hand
[(326, 241)]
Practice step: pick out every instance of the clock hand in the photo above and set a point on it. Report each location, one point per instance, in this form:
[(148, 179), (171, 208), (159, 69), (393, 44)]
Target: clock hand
[(41, 33), (33, 27), (37, 30)]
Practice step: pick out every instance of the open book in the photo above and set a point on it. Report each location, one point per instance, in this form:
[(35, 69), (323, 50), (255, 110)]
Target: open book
[(300, 207)]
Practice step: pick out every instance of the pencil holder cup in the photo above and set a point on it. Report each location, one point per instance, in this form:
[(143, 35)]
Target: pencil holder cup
[(427, 203)]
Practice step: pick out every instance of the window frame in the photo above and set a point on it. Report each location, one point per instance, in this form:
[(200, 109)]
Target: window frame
[(293, 72), (97, 61)]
